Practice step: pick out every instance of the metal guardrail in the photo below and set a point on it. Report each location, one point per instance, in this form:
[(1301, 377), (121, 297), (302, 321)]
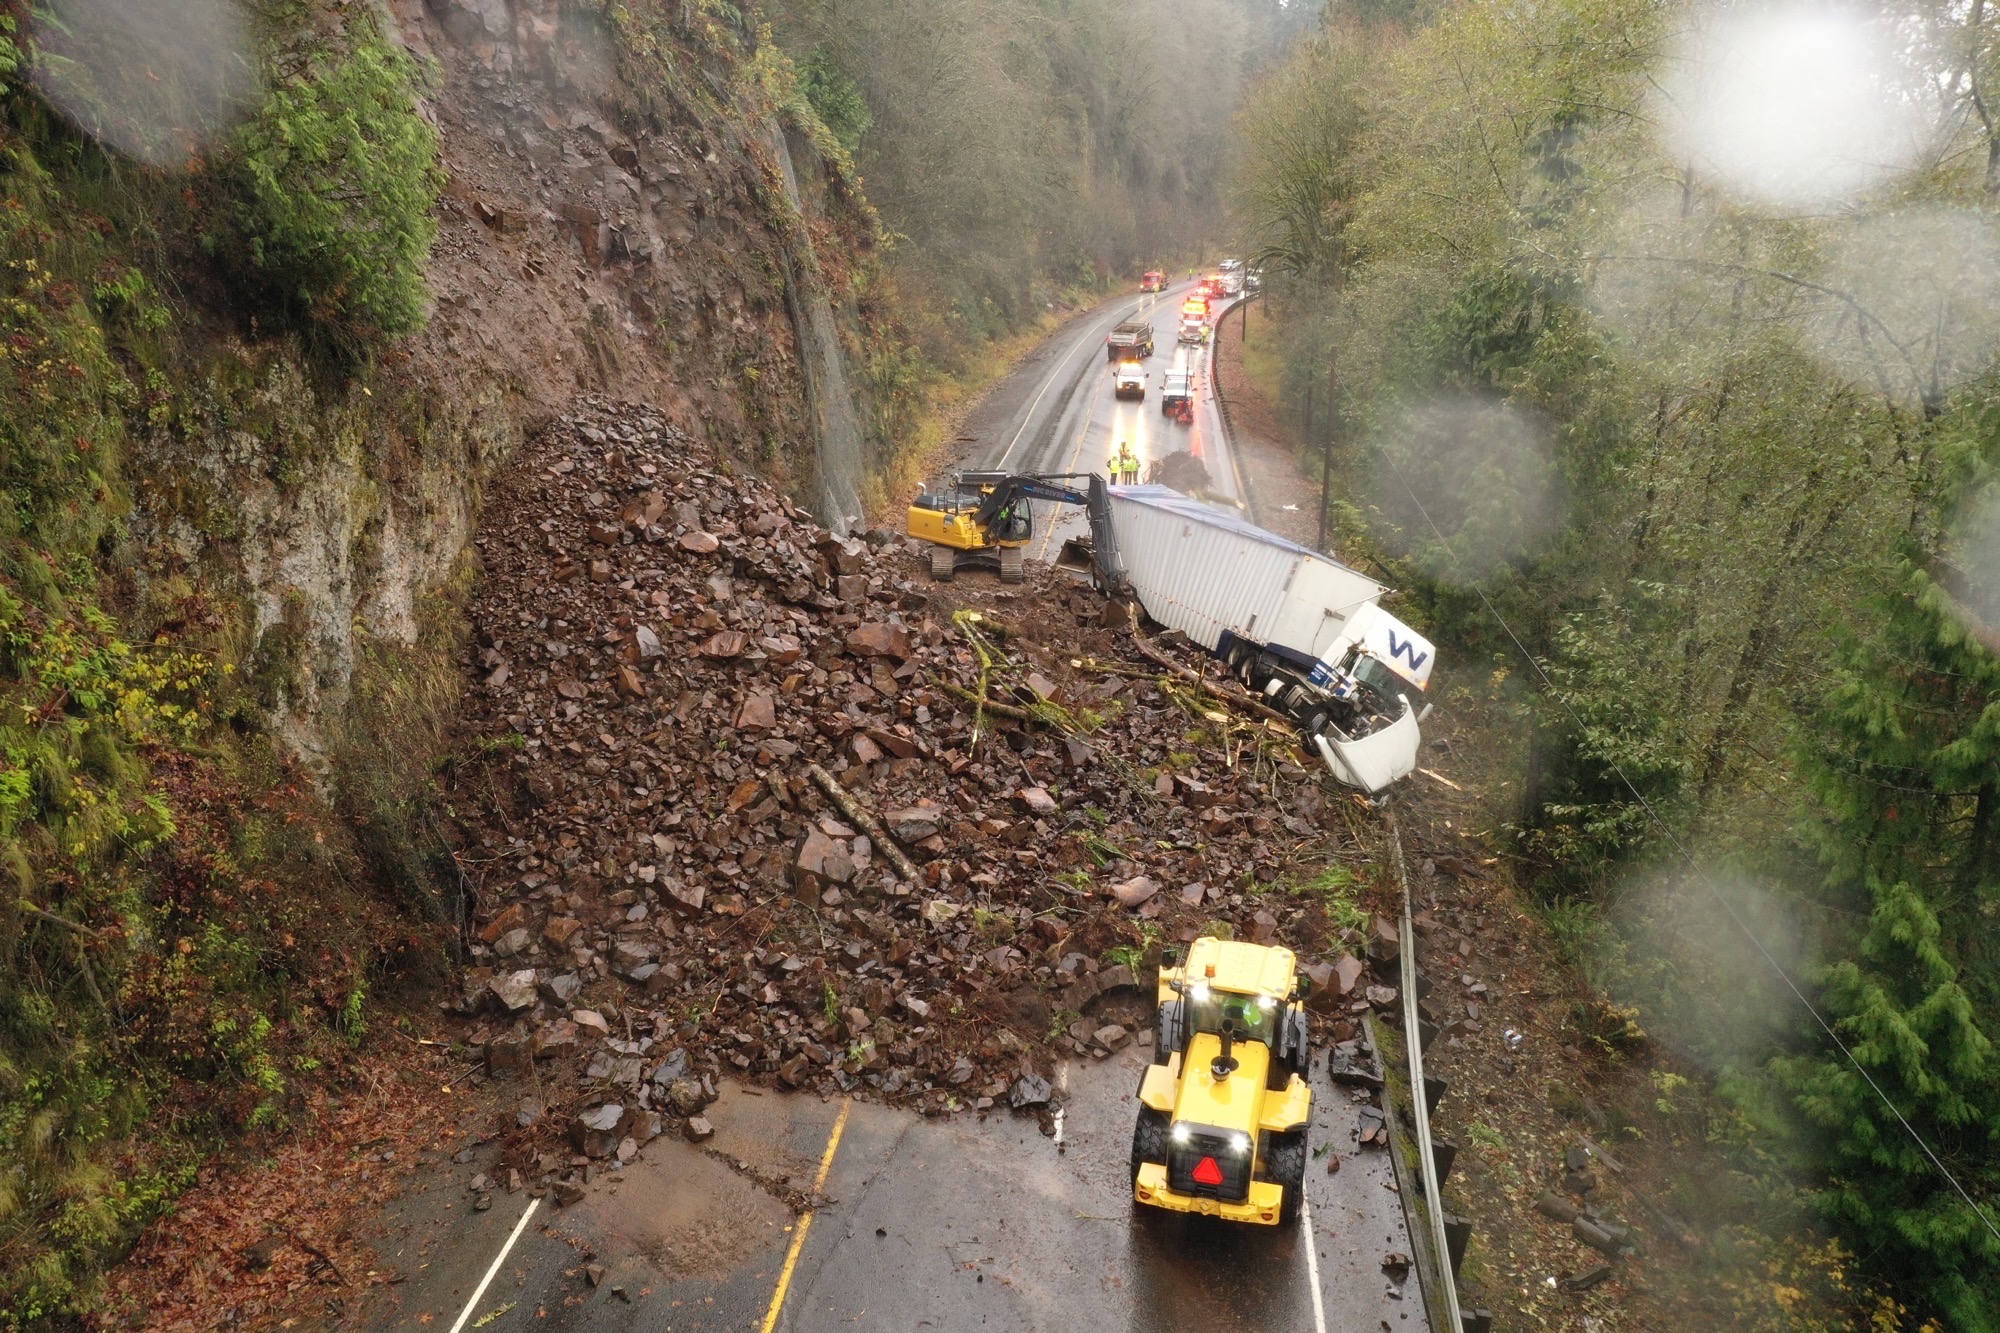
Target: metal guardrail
[(1222, 410), (1448, 1318)]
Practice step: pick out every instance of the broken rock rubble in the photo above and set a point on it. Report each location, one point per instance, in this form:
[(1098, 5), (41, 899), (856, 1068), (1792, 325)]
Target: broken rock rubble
[(736, 809)]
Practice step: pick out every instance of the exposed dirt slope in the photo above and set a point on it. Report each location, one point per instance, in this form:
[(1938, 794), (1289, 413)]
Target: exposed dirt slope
[(612, 224)]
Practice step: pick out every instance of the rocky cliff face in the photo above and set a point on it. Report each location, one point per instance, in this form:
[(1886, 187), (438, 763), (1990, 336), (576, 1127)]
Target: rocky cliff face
[(614, 224)]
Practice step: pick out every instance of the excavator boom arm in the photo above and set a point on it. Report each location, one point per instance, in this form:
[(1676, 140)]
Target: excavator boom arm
[(1011, 490)]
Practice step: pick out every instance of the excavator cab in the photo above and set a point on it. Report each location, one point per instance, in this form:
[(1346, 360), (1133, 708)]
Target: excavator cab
[(988, 518)]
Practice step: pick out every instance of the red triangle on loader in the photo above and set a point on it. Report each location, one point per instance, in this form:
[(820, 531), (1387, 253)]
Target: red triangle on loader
[(1207, 1172)]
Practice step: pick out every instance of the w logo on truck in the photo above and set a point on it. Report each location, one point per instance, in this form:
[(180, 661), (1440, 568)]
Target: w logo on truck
[(1407, 648)]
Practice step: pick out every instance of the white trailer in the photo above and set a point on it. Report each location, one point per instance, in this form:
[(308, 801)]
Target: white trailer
[(1303, 630)]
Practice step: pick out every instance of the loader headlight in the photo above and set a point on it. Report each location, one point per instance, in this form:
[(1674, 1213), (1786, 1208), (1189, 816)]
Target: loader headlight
[(1181, 1134), (1199, 993), (1267, 1002), (1239, 1143)]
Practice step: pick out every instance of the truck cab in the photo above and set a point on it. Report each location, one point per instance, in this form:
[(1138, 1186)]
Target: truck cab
[(1154, 281), (1224, 1106), (1372, 683)]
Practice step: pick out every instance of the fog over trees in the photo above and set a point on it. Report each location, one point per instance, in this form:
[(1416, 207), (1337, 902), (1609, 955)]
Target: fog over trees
[(1011, 143)]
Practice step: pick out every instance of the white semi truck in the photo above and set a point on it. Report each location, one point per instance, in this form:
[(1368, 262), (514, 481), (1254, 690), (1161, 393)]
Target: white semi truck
[(1304, 631)]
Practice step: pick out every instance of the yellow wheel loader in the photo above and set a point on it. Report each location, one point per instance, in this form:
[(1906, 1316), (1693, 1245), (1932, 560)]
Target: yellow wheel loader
[(988, 518), (1223, 1107)]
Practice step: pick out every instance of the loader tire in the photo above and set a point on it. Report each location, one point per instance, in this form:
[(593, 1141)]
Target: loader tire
[(944, 561), (1149, 1140), (1013, 564), (1285, 1165)]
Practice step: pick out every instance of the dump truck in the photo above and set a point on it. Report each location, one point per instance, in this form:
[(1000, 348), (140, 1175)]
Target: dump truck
[(1130, 341), (1224, 1106), (1302, 630)]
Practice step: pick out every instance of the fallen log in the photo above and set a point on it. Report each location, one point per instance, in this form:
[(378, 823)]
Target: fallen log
[(1675, 1229), (866, 822), (1227, 693), (991, 705)]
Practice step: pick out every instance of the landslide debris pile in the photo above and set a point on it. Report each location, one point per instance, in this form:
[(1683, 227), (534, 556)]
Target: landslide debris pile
[(744, 799)]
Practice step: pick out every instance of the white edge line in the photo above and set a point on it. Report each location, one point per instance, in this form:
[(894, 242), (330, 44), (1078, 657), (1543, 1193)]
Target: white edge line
[(1312, 1264), (498, 1259), (1061, 364)]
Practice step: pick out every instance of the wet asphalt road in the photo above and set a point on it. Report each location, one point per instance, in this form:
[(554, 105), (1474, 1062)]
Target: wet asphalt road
[(1058, 413), (968, 1224)]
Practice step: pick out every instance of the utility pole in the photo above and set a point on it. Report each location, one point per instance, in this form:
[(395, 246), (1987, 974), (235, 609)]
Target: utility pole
[(1306, 436), (1326, 445)]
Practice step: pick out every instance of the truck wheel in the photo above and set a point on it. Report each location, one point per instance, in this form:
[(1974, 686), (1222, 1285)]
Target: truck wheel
[(1149, 1140), (1286, 1166), (1013, 564), (944, 561)]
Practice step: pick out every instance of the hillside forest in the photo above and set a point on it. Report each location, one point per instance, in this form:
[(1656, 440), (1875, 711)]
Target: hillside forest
[(1660, 346)]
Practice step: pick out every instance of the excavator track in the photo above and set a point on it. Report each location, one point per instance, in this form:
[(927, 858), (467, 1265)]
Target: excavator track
[(1013, 564), (944, 563)]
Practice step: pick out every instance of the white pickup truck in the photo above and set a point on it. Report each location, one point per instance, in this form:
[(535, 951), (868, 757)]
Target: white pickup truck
[(1128, 380)]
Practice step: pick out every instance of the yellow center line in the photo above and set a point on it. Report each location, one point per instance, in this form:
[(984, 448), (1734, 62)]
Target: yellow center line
[(805, 1221)]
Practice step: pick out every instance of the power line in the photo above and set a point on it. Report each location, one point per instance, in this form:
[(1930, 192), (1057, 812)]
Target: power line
[(1694, 867)]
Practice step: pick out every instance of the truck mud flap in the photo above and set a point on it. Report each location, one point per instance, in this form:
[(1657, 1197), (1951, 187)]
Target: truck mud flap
[(1376, 761)]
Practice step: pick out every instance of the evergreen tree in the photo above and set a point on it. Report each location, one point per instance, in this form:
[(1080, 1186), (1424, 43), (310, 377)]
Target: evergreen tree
[(1907, 779)]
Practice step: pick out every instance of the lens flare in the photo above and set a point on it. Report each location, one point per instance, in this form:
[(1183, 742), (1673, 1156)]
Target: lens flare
[(1797, 105), (156, 81)]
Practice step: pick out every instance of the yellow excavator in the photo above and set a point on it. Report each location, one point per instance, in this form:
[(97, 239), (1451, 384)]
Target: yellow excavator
[(988, 518)]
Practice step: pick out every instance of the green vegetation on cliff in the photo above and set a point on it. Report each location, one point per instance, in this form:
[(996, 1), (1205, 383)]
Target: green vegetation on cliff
[(331, 188), (185, 927)]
